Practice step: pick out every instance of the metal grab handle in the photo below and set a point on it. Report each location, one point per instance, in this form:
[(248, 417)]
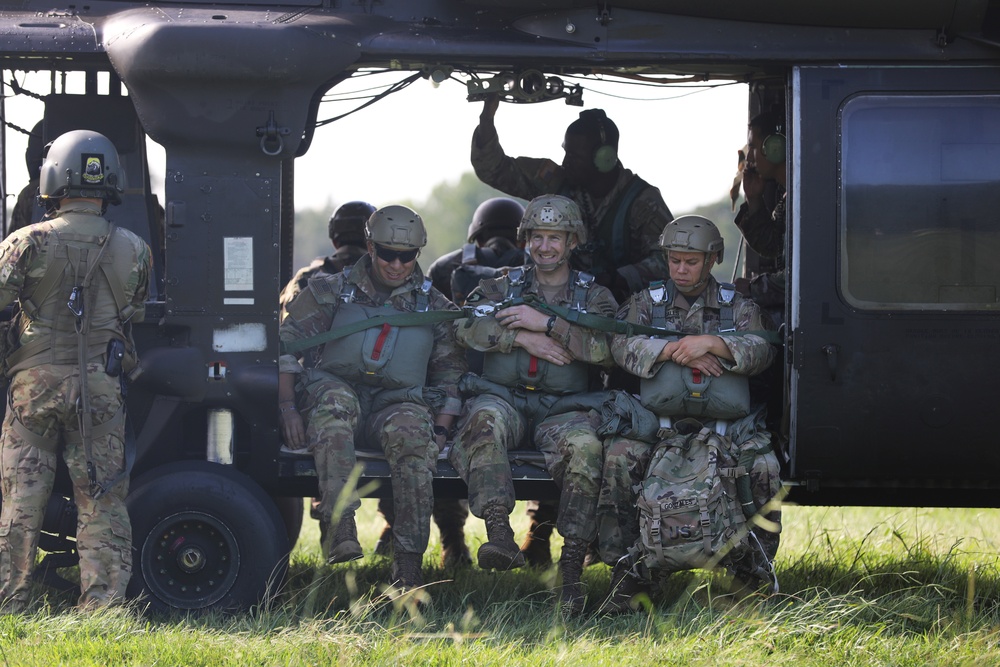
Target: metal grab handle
[(832, 352)]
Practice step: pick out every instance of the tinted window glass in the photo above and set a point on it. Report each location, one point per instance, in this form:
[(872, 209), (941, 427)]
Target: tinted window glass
[(920, 202)]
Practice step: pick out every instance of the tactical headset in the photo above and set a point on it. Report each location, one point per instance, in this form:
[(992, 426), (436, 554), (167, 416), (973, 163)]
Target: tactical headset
[(605, 156), (773, 146)]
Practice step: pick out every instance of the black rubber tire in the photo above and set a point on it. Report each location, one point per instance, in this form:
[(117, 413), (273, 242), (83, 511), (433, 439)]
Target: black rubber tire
[(291, 509), (205, 537)]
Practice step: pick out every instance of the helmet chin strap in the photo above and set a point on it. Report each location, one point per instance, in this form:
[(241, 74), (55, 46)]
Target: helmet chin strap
[(552, 267)]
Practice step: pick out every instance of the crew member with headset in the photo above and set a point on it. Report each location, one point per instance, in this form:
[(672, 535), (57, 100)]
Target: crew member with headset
[(763, 225), (623, 214), (79, 282)]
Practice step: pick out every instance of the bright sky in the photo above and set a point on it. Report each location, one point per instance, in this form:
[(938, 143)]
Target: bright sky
[(683, 140)]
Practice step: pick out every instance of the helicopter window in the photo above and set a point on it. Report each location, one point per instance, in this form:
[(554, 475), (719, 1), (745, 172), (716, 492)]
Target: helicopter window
[(920, 202)]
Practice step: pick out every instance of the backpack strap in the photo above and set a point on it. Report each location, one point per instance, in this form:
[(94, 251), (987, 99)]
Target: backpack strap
[(347, 289), (727, 295), (517, 280), (581, 282), (423, 297), (661, 294)]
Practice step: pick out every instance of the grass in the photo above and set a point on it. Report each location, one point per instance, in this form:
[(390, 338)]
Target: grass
[(860, 586)]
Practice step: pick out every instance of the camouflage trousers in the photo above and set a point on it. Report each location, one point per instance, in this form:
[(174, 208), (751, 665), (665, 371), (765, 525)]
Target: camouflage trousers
[(44, 400), (333, 409), (625, 464), (490, 427)]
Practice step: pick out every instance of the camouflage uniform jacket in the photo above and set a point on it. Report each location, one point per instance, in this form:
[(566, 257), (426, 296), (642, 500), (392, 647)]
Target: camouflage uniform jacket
[(308, 317), (343, 257), (25, 207), (22, 262), (764, 232), (487, 335), (637, 354), (530, 177)]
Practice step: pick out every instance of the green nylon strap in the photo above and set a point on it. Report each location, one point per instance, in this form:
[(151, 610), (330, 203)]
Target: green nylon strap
[(396, 320), (611, 325)]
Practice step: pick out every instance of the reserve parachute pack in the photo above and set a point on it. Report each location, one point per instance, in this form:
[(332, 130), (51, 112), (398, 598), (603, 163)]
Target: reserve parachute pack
[(693, 512), (678, 390), (370, 355)]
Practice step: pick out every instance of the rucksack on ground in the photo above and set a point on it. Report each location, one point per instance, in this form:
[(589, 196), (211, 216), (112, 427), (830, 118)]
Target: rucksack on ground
[(690, 514)]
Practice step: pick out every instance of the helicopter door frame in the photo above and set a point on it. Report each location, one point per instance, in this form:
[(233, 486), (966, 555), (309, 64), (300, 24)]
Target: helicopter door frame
[(894, 310)]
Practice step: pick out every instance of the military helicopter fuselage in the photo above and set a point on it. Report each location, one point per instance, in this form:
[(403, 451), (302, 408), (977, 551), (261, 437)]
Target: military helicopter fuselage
[(892, 318)]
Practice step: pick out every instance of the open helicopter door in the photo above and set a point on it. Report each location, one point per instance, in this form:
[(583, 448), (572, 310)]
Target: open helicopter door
[(895, 314)]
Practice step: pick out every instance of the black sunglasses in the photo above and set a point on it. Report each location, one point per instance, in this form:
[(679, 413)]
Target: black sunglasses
[(388, 255)]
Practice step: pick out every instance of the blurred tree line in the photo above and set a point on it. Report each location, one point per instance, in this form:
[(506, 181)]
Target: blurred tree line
[(448, 210)]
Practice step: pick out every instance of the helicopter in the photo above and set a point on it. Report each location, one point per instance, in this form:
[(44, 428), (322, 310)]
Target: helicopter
[(892, 152)]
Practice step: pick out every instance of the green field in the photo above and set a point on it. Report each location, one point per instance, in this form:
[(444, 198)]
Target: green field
[(860, 586)]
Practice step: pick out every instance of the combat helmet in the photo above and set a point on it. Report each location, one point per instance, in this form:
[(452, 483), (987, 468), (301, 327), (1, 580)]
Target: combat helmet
[(396, 227), (498, 216), (349, 220), (692, 233), (81, 163), (553, 212)]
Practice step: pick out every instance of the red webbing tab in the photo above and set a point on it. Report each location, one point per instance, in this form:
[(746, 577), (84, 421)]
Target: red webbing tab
[(380, 342), (533, 366)]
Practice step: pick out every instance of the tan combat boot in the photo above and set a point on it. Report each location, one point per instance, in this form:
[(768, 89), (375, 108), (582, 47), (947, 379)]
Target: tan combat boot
[(571, 592), (500, 552), (624, 587), (406, 572), (343, 541)]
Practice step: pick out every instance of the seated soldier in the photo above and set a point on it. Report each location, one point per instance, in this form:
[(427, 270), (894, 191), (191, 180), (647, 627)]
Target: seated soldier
[(492, 236), (694, 303), (533, 357), (373, 382)]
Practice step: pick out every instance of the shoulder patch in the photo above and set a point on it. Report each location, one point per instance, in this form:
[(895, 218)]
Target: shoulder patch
[(494, 289), (325, 287)]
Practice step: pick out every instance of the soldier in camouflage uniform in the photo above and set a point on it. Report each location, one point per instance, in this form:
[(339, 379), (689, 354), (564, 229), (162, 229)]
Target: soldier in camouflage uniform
[(694, 303), (394, 387), (347, 234), (60, 364), (532, 359), (492, 244), (623, 214), (763, 226), (26, 208)]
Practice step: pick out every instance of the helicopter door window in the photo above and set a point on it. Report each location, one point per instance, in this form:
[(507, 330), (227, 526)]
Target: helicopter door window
[(920, 202)]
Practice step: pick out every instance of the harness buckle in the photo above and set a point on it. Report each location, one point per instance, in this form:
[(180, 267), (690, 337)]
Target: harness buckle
[(658, 292), (484, 310), (75, 303)]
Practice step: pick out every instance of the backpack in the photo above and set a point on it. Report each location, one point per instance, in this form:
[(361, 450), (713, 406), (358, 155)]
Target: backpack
[(690, 514)]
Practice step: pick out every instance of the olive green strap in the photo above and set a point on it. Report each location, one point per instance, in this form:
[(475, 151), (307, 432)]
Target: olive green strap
[(396, 320), (615, 326)]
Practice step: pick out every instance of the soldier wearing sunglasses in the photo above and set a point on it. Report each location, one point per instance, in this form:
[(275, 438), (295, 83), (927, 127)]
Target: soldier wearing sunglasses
[(392, 388)]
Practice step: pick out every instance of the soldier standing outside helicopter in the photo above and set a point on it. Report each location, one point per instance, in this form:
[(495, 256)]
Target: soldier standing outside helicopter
[(66, 367)]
